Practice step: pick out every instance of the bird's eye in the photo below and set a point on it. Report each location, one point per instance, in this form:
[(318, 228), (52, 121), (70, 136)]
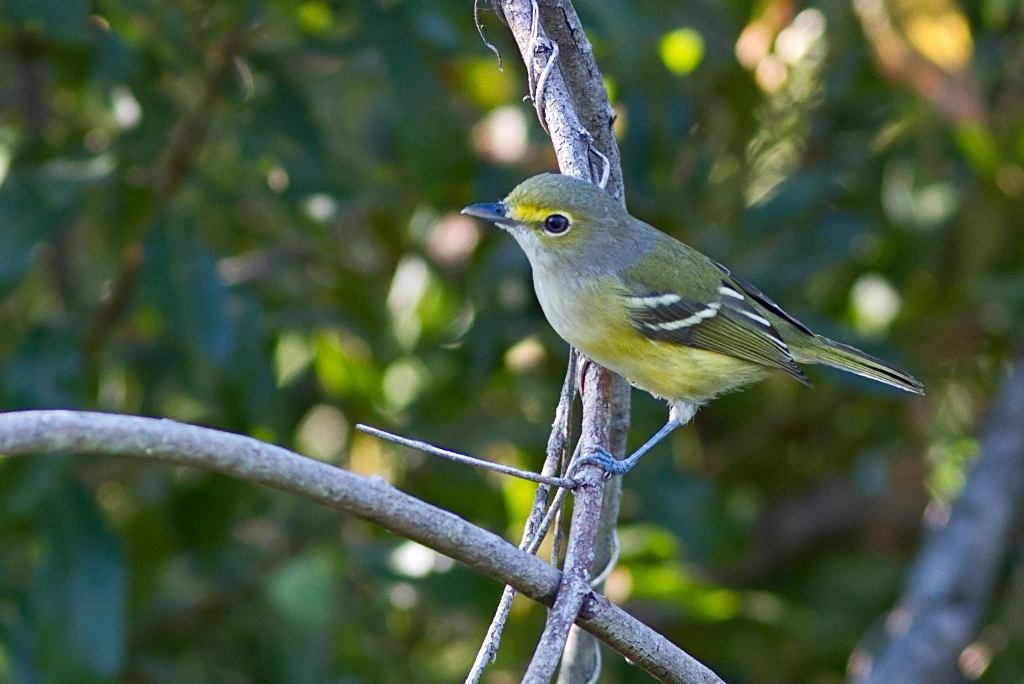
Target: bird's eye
[(556, 224)]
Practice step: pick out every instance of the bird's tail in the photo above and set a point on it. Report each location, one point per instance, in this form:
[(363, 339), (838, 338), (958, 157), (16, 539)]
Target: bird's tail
[(845, 357)]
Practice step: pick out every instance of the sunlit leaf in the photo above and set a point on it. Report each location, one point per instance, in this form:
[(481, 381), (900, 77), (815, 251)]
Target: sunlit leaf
[(682, 50), (314, 17)]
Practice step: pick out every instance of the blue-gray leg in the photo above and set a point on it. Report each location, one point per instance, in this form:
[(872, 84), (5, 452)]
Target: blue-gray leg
[(679, 413), (613, 466)]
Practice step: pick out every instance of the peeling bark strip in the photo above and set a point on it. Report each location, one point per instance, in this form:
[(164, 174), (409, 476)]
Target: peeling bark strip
[(371, 498), (563, 105)]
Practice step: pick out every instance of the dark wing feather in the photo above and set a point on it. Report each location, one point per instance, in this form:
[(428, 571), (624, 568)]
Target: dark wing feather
[(762, 299)]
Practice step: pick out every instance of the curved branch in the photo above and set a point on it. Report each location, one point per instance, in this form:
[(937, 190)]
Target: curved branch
[(370, 498)]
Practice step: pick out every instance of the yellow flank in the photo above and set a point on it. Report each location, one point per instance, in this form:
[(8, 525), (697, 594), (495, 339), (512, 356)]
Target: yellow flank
[(593, 318), (674, 372), (532, 213)]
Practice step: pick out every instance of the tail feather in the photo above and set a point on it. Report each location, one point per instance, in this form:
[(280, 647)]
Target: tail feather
[(851, 360)]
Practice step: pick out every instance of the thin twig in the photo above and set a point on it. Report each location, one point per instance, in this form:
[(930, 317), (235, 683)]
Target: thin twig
[(536, 45), (597, 667), (468, 460), (558, 534), (575, 578), (530, 543), (555, 517), (557, 504), (610, 565), (579, 73), (531, 49), (538, 100), (558, 442), (586, 517), (488, 650), (582, 649)]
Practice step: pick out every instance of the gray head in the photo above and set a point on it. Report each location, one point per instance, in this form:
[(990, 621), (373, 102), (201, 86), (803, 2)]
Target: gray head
[(569, 223)]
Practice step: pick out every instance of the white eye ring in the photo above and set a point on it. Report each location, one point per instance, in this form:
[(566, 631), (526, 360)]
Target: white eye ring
[(556, 224)]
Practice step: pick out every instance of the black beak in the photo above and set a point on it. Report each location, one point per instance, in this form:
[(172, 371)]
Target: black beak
[(496, 213)]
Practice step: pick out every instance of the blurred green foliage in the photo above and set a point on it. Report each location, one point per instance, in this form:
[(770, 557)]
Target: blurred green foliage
[(243, 215)]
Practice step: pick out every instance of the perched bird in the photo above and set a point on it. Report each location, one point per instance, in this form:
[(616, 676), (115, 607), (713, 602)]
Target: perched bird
[(667, 318)]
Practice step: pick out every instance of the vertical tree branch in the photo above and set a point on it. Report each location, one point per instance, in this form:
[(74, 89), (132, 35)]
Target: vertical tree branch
[(554, 103), (573, 106), (596, 392), (584, 84), (559, 442), (580, 657)]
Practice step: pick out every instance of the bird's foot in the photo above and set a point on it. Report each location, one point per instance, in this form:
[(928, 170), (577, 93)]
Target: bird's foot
[(601, 458)]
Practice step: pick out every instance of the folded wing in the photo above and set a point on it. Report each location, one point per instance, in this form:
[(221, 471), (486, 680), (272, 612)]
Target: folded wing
[(730, 324)]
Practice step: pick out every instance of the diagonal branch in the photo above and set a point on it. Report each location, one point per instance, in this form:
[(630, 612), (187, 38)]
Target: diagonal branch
[(371, 498), (950, 587), (425, 447)]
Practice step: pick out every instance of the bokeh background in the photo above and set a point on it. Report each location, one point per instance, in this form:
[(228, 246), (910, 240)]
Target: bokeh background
[(244, 215)]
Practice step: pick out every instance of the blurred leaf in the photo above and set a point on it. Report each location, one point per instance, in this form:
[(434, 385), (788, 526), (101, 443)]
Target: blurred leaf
[(45, 372), (978, 146), (314, 17), (182, 282), (78, 597), (60, 19), (36, 202), (25, 226), (303, 589)]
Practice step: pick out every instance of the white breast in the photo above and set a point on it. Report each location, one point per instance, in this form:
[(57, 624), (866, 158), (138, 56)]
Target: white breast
[(568, 306)]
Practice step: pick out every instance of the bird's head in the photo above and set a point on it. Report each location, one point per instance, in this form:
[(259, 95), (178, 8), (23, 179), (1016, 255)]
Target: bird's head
[(556, 217)]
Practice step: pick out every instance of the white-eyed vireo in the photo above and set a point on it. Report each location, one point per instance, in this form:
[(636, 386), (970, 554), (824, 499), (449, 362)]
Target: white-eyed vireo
[(663, 315)]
